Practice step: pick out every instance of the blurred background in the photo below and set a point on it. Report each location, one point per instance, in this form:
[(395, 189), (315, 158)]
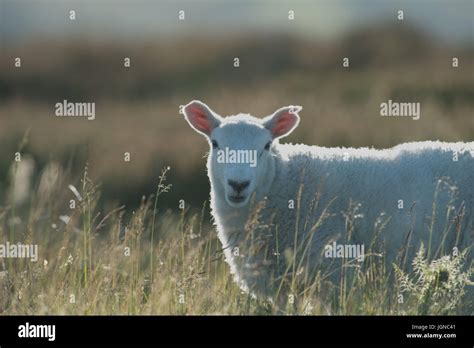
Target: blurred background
[(172, 61)]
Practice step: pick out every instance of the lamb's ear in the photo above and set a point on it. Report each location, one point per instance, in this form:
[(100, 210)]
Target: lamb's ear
[(201, 117), (283, 121)]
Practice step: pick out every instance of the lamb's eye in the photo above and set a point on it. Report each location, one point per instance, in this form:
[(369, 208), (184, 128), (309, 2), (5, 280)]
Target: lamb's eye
[(267, 145), (214, 144)]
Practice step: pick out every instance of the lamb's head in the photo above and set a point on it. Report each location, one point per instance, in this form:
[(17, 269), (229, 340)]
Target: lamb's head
[(241, 158)]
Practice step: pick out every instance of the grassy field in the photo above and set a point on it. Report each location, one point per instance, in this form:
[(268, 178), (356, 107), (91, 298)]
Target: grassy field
[(155, 262), (123, 249)]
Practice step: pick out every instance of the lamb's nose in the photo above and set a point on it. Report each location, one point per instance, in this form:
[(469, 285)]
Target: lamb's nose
[(238, 186)]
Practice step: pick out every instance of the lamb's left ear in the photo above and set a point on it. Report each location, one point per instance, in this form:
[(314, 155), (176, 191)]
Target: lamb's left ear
[(201, 117), (283, 121)]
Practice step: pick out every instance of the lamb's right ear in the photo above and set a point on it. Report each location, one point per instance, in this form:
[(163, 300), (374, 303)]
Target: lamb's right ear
[(201, 117)]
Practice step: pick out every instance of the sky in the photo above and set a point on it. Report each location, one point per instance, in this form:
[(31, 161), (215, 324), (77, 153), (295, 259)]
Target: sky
[(446, 20)]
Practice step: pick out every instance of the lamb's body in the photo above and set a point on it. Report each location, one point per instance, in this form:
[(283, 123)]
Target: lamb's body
[(380, 180), (275, 219)]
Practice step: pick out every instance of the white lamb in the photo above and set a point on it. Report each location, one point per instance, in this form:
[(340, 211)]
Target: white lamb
[(278, 213)]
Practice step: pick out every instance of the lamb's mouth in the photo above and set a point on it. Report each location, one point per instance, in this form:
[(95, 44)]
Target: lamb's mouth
[(236, 199)]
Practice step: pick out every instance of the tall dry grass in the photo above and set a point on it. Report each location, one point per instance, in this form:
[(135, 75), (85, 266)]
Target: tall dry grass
[(170, 262)]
